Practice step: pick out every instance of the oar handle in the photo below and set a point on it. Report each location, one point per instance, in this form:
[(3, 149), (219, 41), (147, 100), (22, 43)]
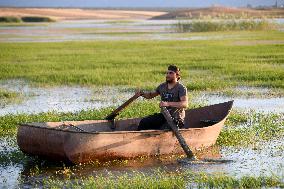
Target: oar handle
[(175, 130)]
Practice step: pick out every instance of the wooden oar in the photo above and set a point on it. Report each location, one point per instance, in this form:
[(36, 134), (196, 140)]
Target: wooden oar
[(175, 130), (125, 104)]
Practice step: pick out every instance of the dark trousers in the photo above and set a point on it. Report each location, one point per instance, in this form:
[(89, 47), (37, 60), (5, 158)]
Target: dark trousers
[(156, 121)]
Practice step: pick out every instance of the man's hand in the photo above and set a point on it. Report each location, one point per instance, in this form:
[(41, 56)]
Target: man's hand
[(147, 95), (164, 104), (139, 92)]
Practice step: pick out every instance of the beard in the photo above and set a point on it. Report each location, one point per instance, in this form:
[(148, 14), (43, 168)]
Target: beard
[(169, 80)]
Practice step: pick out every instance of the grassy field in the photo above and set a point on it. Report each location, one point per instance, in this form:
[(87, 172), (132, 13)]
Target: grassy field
[(205, 64)]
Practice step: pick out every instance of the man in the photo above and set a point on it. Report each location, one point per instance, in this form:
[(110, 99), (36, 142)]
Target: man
[(173, 96)]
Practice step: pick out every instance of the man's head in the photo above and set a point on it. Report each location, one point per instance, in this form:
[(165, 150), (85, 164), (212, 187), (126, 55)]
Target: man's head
[(173, 74)]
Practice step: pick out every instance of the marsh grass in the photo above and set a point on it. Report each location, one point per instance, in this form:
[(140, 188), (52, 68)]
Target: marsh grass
[(9, 19), (4, 94), (164, 179), (12, 19), (258, 127), (227, 25), (36, 19), (8, 97), (205, 65)]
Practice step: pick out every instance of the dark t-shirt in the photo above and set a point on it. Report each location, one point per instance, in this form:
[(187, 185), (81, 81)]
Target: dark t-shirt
[(173, 95)]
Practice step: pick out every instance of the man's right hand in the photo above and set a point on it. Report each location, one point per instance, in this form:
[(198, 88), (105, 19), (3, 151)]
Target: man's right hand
[(139, 92)]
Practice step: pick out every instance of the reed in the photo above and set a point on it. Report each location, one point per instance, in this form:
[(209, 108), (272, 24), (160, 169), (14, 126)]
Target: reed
[(36, 19), (227, 25), (9, 19)]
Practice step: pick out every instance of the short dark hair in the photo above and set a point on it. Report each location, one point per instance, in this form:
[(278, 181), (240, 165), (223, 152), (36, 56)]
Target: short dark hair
[(175, 69)]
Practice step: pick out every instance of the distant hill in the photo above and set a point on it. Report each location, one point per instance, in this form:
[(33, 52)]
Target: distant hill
[(75, 14), (222, 12)]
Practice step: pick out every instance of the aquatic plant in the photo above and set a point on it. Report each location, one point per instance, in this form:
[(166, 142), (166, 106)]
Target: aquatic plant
[(9, 19), (258, 127), (4, 94), (36, 19), (164, 179), (228, 25)]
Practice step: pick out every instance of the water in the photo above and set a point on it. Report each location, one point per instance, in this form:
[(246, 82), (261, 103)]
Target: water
[(85, 30), (71, 99), (266, 105), (61, 99)]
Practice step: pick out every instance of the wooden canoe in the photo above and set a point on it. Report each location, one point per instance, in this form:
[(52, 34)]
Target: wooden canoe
[(85, 141)]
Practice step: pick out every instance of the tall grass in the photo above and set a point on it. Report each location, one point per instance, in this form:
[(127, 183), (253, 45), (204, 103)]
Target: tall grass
[(228, 25), (9, 19), (13, 19), (205, 65), (36, 19)]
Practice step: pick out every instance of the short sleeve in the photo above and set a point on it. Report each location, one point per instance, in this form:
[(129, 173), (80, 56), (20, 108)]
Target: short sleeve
[(158, 89), (182, 91)]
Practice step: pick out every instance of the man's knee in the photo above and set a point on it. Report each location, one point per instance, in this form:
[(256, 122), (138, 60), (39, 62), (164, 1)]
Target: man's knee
[(154, 121), (142, 124)]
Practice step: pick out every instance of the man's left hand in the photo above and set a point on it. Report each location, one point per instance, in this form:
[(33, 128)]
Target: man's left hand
[(164, 104)]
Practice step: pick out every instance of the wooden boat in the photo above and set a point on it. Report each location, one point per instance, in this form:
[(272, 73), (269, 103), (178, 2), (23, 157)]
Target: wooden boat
[(85, 141)]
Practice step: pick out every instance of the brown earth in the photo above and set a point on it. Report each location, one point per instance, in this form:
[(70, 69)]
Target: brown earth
[(222, 12), (74, 14)]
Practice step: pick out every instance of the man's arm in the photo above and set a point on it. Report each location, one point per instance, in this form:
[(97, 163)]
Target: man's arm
[(149, 95), (182, 104)]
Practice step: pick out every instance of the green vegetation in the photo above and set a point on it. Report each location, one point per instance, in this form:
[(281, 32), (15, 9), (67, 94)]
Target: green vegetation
[(7, 97), (205, 64), (9, 19), (4, 94), (253, 128), (12, 19), (36, 19), (163, 179), (229, 25)]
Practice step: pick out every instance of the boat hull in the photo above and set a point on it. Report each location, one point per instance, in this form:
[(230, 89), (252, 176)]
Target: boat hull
[(81, 147)]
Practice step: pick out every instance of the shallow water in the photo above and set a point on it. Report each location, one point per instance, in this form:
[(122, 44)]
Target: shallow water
[(61, 99), (266, 105), (71, 99), (82, 30)]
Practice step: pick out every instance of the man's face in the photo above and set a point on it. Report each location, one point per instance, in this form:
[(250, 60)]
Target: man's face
[(171, 76)]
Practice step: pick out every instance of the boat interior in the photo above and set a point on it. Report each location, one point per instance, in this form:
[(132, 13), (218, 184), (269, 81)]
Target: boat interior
[(195, 118)]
